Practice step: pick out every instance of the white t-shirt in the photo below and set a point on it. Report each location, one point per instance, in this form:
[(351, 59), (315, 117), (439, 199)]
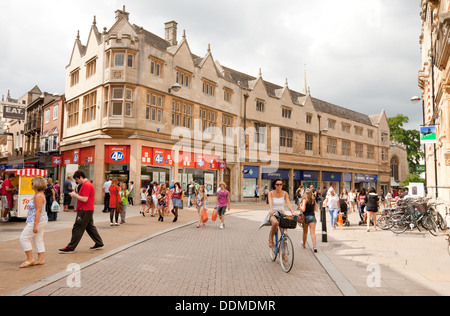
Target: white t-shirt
[(332, 202)]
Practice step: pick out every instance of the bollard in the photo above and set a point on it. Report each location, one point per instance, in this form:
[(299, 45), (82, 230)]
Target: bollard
[(323, 217)]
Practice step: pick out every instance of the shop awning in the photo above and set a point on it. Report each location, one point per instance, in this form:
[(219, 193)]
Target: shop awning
[(393, 183), (30, 172)]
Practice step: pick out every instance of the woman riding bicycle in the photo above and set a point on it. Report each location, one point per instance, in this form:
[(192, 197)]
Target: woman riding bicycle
[(278, 198)]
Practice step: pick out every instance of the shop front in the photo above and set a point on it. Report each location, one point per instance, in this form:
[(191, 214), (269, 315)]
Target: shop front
[(310, 178), (348, 181), (76, 159), (251, 176), (117, 162), (156, 165), (365, 181), (331, 180), (268, 177)]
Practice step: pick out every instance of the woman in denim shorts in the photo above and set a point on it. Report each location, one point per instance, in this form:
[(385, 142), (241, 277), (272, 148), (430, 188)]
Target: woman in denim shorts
[(308, 206)]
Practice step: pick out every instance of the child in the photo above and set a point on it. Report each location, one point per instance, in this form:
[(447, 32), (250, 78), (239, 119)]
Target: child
[(143, 202)]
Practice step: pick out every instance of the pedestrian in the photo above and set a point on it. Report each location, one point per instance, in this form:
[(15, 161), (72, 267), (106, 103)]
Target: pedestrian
[(200, 203), (50, 196), (371, 207), (308, 207), (143, 202), (332, 202), (361, 199), (58, 191), (352, 200), (176, 200), (382, 199), (85, 215), (256, 194), (124, 195), (106, 195), (131, 194), (191, 194), (114, 199), (298, 195), (7, 196), (223, 202), (67, 188), (33, 233), (162, 202)]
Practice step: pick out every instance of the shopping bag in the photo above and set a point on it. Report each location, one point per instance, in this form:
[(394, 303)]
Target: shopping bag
[(340, 220), (214, 215), (55, 207), (204, 216)]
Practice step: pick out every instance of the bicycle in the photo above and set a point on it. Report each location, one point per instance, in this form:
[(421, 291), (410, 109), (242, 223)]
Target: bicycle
[(284, 244)]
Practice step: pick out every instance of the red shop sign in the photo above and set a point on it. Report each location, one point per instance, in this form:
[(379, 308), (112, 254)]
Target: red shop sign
[(186, 160), (146, 155), (206, 162), (87, 156), (162, 157), (57, 160), (117, 154)]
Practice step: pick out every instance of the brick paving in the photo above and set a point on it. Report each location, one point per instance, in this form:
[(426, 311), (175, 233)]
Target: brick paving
[(203, 262)]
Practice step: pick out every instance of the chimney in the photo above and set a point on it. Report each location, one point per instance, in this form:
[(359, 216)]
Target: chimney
[(122, 14), (171, 33)]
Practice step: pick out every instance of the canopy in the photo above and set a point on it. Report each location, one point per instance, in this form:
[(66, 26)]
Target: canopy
[(31, 172)]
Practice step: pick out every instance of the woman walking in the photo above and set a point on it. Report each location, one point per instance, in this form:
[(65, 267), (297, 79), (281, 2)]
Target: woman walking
[(200, 203), (223, 201), (308, 207), (114, 198), (176, 200), (162, 202), (332, 202), (37, 219), (371, 207), (361, 205), (352, 200)]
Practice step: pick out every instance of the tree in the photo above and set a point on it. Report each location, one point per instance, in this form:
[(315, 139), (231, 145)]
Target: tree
[(409, 138), (414, 178)]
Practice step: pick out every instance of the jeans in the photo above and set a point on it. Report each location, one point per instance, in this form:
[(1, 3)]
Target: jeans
[(333, 217)]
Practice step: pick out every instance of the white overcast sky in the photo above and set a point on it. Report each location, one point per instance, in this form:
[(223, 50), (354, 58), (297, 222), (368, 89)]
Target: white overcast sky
[(362, 55)]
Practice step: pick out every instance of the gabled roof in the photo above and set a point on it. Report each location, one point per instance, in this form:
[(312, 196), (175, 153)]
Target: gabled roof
[(152, 39), (329, 108)]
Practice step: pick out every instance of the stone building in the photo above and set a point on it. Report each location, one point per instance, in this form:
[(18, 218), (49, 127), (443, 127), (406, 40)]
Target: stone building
[(434, 80), (144, 108)]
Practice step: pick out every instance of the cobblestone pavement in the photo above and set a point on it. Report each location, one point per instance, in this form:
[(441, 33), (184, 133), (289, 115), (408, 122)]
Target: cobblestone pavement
[(203, 262)]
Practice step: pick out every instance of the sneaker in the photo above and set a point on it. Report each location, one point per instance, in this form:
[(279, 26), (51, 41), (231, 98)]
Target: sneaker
[(65, 250), (112, 224), (96, 247), (221, 226), (116, 224)]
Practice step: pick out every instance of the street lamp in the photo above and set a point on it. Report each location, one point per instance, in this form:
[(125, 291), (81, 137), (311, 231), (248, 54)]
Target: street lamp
[(175, 88)]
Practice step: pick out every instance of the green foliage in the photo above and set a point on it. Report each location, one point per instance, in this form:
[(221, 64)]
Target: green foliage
[(414, 178), (410, 138)]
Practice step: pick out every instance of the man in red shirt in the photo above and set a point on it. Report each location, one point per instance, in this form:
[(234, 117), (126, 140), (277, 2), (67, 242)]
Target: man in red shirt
[(85, 211), (7, 196)]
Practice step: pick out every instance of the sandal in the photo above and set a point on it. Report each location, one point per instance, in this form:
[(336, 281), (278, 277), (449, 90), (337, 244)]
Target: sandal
[(27, 264)]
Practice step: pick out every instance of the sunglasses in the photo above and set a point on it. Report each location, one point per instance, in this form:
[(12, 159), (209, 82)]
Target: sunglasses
[(278, 184)]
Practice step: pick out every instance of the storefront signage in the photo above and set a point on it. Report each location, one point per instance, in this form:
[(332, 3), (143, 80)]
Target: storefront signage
[(117, 154), (87, 156), (282, 174), (162, 157), (13, 111), (310, 175), (206, 162), (364, 178), (428, 135), (331, 176), (146, 155), (57, 160), (251, 172)]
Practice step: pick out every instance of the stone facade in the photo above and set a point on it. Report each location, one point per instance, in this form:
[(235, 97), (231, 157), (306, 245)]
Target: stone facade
[(131, 94)]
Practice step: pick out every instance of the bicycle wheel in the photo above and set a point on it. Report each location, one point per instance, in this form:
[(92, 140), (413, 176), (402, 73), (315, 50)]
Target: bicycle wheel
[(448, 246), (286, 254), (440, 221), (431, 225), (384, 222), (399, 224)]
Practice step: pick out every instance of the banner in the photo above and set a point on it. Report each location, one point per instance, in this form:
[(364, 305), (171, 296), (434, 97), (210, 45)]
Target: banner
[(428, 135), (117, 154)]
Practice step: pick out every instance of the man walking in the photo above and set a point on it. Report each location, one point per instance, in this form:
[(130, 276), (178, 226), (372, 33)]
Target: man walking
[(84, 219)]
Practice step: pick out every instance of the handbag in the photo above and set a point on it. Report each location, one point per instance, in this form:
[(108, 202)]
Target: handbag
[(55, 207), (301, 219)]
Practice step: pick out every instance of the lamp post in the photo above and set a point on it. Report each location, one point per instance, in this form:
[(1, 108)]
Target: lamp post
[(416, 100), (246, 96)]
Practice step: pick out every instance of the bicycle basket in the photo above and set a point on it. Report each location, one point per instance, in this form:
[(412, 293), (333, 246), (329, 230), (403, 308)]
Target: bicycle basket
[(288, 222), (422, 207)]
